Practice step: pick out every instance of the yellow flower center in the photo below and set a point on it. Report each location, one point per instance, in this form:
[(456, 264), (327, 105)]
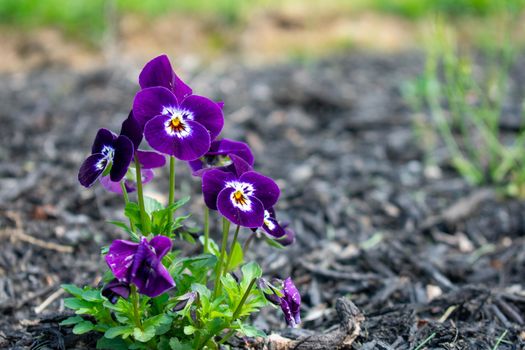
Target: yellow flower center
[(177, 125), (239, 197)]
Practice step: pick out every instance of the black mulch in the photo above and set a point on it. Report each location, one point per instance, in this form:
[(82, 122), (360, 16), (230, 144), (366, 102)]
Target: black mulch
[(424, 256)]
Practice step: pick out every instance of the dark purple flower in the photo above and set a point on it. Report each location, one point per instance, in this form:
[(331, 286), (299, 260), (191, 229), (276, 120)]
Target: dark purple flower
[(291, 303), (181, 129), (219, 156), (289, 235), (141, 264), (269, 291), (108, 151), (241, 199), (115, 289), (158, 72), (147, 159)]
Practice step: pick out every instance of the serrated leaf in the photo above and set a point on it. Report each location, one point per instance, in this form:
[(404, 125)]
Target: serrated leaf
[(123, 331), (143, 335), (71, 321), (83, 327)]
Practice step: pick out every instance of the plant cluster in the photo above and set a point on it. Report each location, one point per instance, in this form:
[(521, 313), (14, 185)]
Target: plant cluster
[(157, 297), (466, 106)]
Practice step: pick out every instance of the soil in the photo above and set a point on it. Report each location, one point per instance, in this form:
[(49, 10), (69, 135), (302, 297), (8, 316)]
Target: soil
[(426, 258)]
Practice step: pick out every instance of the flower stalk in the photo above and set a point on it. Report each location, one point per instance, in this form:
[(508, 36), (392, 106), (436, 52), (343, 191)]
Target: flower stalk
[(140, 196), (218, 270), (171, 198)]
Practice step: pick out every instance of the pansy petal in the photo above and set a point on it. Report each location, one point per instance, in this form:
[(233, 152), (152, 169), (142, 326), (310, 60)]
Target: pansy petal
[(238, 166), (205, 112), (151, 102), (103, 138), (229, 147), (110, 186), (91, 169), (292, 295), (150, 159), (290, 320), (115, 289), (148, 273), (213, 182), (161, 244), (158, 72), (249, 215), (122, 158), (220, 104), (272, 228), (132, 130), (288, 238), (188, 147), (265, 188), (120, 258)]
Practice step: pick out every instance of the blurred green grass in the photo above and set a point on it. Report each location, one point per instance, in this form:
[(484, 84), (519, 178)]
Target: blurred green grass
[(89, 19)]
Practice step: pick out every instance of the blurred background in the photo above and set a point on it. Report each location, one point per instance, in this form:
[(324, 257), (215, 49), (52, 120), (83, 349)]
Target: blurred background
[(85, 33)]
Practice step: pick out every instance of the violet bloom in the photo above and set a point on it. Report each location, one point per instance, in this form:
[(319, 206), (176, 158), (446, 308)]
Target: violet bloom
[(147, 159), (115, 289), (240, 198), (108, 150), (219, 156), (176, 123), (141, 264), (291, 303)]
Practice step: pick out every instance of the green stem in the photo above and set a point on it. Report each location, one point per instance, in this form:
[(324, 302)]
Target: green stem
[(247, 243), (135, 298), (218, 269), (243, 300), (126, 201), (140, 194), (232, 246), (206, 228), (171, 198)]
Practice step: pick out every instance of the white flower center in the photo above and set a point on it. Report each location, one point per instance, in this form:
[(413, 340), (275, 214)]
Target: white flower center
[(176, 125), (108, 153), (267, 221), (239, 197)]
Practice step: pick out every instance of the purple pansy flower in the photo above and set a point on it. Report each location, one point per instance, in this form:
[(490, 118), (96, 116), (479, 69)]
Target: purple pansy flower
[(158, 72), (108, 150), (115, 289), (184, 300), (218, 156), (141, 264), (181, 129), (291, 303), (240, 198), (276, 231), (147, 159)]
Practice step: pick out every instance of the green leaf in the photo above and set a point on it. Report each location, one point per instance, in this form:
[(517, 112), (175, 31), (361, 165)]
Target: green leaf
[(273, 243), (76, 304), (73, 290), (237, 257), (83, 327), (250, 271), (161, 323), (92, 295), (189, 330), (121, 225), (132, 212), (71, 320), (143, 335), (111, 344), (123, 331), (175, 344), (151, 205), (249, 330)]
